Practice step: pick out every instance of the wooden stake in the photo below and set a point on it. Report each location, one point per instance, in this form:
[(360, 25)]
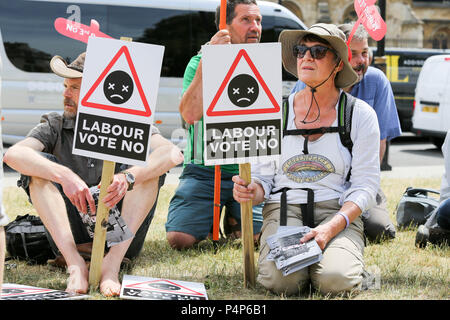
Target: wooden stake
[(98, 247), (247, 230)]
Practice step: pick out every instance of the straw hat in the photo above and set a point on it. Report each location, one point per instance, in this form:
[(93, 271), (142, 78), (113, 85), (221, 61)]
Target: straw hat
[(73, 70), (329, 32)]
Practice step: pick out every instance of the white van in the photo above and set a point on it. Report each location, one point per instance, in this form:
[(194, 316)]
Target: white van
[(431, 116), (28, 40)]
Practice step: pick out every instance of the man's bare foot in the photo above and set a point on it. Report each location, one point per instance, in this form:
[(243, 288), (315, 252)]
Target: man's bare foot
[(110, 286), (78, 278), (109, 283)]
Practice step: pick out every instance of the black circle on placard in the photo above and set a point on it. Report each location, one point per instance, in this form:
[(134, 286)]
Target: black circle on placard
[(118, 87), (164, 286), (243, 90)]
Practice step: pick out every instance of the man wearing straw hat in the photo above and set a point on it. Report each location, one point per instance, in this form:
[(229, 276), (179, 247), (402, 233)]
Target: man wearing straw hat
[(58, 184), (311, 185)]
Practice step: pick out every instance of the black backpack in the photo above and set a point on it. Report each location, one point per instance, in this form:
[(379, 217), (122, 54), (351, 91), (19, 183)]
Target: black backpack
[(416, 206), (26, 239)]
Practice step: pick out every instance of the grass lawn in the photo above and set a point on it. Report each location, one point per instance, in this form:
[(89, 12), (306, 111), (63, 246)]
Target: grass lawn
[(402, 270)]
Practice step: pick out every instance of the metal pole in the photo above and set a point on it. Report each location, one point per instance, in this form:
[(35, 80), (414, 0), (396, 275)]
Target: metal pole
[(380, 63), (380, 59)]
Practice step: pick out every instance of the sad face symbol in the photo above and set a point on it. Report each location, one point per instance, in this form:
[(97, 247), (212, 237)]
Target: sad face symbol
[(243, 90), (164, 286), (118, 87)]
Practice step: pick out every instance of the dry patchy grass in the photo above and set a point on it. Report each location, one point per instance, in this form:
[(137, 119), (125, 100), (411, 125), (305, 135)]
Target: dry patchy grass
[(404, 271)]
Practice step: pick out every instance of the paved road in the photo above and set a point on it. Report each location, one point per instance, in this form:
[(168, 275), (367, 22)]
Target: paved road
[(409, 157), (412, 157), (408, 151)]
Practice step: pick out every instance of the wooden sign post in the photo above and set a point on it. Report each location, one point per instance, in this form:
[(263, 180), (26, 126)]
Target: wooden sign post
[(247, 230), (98, 247)]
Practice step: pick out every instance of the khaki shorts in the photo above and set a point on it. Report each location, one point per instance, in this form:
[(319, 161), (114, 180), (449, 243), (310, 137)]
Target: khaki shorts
[(342, 264)]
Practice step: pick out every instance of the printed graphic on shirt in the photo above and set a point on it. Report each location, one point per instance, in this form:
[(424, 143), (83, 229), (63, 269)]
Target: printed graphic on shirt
[(307, 168)]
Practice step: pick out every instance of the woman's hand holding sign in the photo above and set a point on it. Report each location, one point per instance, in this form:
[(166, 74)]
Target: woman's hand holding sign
[(243, 192)]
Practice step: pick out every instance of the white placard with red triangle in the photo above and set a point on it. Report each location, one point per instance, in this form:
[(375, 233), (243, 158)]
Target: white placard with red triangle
[(147, 288), (12, 291), (117, 100), (242, 98)]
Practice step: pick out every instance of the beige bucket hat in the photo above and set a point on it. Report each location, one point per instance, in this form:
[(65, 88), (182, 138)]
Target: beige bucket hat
[(329, 32), (74, 70)]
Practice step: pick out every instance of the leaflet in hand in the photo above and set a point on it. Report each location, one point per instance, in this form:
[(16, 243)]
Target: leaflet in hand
[(288, 253)]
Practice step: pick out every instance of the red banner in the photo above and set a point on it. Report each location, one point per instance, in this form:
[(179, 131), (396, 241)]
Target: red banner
[(79, 31), (369, 16)]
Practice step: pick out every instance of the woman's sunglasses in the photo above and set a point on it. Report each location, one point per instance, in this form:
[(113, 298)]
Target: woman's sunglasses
[(317, 51)]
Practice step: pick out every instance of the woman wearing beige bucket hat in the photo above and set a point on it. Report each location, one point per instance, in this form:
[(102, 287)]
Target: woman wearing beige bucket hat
[(313, 185)]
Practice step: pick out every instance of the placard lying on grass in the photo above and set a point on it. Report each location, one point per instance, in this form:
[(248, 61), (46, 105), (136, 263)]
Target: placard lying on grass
[(11, 291), (144, 288)]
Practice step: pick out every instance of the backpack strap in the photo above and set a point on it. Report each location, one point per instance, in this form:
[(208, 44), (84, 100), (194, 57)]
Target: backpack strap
[(285, 114), (307, 209), (345, 116), (305, 132), (24, 244), (345, 112), (308, 132)]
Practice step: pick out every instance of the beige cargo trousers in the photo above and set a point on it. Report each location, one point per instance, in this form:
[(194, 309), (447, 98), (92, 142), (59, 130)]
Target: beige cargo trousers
[(341, 267)]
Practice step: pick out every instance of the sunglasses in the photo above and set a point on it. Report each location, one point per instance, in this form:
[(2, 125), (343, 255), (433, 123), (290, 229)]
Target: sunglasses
[(317, 52)]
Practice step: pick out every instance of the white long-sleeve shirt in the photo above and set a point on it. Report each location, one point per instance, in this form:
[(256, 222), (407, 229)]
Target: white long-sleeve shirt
[(324, 169)]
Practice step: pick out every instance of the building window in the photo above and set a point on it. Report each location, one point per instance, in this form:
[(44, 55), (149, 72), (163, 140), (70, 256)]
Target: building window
[(440, 39)]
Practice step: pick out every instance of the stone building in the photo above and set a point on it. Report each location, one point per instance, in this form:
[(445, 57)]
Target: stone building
[(410, 23)]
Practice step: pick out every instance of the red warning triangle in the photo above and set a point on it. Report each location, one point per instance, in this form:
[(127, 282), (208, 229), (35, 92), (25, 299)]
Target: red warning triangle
[(110, 107), (211, 113), (177, 288)]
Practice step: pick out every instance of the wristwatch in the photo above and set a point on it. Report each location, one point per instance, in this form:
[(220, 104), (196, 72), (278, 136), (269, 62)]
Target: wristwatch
[(130, 179)]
